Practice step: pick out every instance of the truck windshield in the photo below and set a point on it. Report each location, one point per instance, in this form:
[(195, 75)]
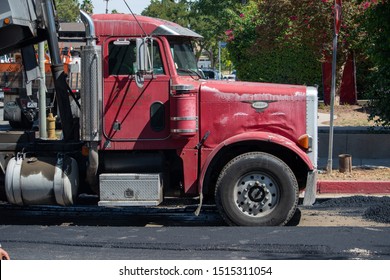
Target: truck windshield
[(184, 58)]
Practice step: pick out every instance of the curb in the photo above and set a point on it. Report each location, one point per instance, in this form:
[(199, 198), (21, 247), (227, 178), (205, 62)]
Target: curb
[(353, 187)]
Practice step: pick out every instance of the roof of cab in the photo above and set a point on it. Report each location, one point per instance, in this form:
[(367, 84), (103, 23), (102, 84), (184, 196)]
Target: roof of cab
[(126, 25)]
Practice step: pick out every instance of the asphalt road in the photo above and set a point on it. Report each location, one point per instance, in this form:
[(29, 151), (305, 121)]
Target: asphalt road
[(92, 233), (203, 243)]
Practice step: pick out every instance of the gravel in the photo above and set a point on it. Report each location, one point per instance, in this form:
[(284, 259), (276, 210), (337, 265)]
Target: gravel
[(353, 201), (378, 213), (373, 208)]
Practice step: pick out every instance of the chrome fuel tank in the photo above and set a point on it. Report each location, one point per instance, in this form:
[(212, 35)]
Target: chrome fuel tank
[(41, 181)]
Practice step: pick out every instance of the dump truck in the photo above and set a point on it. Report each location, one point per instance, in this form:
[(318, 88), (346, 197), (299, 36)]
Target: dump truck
[(149, 128)]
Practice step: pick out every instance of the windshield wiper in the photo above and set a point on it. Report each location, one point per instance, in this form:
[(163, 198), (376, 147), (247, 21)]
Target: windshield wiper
[(191, 72)]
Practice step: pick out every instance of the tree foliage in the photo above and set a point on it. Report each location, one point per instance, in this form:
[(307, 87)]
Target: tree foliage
[(87, 6), (209, 19), (67, 10), (374, 33), (169, 10), (285, 41), (206, 17)]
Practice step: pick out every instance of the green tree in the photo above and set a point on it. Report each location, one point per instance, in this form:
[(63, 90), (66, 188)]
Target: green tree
[(285, 41), (209, 19), (169, 10), (206, 17), (374, 34), (67, 10), (114, 11), (87, 6)]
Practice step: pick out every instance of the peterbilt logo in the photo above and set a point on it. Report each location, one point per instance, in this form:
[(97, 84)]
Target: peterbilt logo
[(259, 105)]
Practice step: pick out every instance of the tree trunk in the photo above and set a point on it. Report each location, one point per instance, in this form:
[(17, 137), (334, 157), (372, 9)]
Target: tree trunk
[(339, 77)]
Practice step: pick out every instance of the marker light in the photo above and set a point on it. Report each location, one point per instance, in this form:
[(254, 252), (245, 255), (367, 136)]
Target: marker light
[(304, 141)]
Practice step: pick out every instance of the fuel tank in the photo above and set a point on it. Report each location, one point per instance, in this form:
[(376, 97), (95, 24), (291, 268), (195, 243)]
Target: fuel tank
[(41, 181)]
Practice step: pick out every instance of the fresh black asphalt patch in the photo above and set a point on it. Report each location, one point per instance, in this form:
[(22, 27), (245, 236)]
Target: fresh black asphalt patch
[(370, 207)]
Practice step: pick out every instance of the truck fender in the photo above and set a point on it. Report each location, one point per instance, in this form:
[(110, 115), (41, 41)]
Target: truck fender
[(253, 136)]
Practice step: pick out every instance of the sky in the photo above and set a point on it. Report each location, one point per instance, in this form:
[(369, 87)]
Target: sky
[(136, 5)]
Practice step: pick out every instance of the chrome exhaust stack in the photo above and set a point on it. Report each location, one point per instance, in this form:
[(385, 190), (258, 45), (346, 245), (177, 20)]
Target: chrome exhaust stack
[(91, 97)]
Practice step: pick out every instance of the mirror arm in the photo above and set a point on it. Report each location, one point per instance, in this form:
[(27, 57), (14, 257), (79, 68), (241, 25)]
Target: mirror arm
[(144, 60)]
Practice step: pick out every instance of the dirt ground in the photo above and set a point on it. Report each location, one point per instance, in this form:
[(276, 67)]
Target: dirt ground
[(333, 218), (349, 115), (359, 173)]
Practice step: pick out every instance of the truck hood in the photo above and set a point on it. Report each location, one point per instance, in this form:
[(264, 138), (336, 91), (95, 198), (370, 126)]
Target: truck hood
[(230, 108), (241, 91)]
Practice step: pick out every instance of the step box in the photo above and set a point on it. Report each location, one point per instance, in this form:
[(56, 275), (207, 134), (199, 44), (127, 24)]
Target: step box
[(130, 189)]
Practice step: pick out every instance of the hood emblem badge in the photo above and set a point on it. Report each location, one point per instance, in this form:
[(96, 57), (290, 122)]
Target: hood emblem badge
[(259, 105)]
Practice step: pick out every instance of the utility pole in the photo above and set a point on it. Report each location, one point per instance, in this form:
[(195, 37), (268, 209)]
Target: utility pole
[(106, 6), (337, 24), (219, 60)]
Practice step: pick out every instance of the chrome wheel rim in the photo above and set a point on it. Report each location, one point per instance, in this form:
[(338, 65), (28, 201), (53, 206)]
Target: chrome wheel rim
[(256, 194)]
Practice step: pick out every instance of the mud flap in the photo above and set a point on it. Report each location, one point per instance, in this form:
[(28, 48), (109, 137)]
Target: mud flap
[(311, 189), (197, 211)]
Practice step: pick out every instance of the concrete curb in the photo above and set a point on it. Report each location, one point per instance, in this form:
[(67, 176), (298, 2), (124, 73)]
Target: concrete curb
[(353, 187)]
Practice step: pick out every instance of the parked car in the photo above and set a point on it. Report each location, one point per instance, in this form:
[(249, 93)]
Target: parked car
[(230, 77), (211, 74)]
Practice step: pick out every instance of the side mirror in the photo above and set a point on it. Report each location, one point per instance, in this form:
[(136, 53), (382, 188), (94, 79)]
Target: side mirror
[(144, 61)]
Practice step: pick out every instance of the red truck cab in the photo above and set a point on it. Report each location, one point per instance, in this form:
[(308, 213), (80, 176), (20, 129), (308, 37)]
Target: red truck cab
[(249, 145)]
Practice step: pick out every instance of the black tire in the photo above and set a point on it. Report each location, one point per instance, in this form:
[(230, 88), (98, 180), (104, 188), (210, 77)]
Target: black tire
[(23, 124), (14, 124), (256, 189)]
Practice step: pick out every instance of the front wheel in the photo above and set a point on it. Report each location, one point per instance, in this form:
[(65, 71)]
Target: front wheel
[(256, 189)]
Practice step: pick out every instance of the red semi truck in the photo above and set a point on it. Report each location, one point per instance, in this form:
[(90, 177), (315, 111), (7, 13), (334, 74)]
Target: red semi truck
[(150, 128)]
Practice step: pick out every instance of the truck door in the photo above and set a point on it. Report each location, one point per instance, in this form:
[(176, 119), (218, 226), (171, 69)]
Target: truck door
[(132, 113)]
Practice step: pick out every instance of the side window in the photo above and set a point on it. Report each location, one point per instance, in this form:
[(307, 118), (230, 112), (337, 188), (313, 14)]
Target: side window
[(157, 62), (121, 59)]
